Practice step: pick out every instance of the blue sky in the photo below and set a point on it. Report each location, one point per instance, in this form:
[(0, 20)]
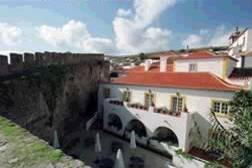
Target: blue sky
[(118, 26)]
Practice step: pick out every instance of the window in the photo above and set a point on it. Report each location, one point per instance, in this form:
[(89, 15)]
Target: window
[(126, 95), (149, 99), (192, 67), (106, 92), (221, 107), (177, 103)]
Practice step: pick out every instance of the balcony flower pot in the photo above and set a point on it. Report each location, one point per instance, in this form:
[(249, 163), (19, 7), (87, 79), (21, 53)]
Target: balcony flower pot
[(176, 114), (185, 109)]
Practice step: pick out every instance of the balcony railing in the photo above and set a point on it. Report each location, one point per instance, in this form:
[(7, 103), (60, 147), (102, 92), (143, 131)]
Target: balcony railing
[(163, 110), (139, 106)]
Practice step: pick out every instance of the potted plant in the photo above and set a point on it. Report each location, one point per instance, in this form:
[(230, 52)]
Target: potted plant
[(185, 109), (145, 108), (138, 106)]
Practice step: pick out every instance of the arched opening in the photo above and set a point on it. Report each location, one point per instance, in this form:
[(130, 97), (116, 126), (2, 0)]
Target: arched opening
[(163, 134), (114, 121), (137, 126)]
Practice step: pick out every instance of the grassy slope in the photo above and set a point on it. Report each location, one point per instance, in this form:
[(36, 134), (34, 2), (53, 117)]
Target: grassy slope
[(26, 148)]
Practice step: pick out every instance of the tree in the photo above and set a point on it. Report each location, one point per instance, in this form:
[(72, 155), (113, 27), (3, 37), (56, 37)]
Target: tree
[(235, 143), (142, 56)]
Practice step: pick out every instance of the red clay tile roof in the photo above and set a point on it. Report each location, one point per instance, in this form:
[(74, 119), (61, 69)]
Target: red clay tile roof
[(203, 54), (241, 73), (155, 67), (200, 80), (163, 54)]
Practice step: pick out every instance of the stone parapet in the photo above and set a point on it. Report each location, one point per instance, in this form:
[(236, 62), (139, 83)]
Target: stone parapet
[(21, 62)]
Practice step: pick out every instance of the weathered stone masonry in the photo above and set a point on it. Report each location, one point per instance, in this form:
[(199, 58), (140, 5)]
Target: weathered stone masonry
[(50, 91)]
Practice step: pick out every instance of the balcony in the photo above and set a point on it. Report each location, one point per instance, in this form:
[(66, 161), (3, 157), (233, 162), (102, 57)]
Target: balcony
[(137, 106), (143, 108), (165, 111), (152, 118)]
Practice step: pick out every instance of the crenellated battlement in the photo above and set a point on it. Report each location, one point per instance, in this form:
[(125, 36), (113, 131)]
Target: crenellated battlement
[(21, 62)]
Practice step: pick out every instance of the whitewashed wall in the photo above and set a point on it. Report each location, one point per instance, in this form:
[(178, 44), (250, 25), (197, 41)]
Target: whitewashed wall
[(231, 64), (248, 62), (198, 102), (243, 43), (151, 121), (249, 40), (214, 66)]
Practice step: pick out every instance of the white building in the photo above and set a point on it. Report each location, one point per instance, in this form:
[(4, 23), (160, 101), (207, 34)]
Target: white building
[(240, 44), (169, 102), (206, 61)]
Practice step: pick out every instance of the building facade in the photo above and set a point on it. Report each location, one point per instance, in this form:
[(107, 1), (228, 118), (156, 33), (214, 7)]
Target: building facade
[(167, 105), (240, 44)]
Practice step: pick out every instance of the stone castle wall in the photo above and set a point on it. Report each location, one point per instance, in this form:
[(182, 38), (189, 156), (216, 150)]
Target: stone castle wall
[(28, 102), (21, 62)]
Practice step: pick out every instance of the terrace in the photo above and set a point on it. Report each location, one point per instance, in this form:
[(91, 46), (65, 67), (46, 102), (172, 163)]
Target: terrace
[(139, 106), (122, 117)]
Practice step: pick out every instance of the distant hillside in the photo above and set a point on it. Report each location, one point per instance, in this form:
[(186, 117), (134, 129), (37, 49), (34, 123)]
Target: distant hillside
[(138, 58)]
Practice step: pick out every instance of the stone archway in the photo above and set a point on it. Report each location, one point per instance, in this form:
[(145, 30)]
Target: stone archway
[(137, 126), (164, 134), (115, 121)]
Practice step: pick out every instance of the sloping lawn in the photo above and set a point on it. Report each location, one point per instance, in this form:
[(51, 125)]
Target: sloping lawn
[(27, 149)]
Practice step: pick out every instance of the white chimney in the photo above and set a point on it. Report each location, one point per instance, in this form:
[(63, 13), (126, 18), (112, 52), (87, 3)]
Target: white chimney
[(147, 64), (163, 64)]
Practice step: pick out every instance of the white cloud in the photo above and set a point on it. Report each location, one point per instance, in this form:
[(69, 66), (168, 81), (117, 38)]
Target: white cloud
[(9, 34), (220, 36), (74, 35), (135, 33), (133, 28), (204, 31), (192, 41), (217, 37), (123, 12)]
